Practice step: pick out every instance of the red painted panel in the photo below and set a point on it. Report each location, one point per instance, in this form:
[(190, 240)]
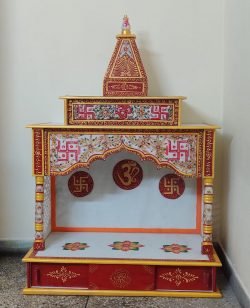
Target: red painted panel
[(59, 275), (121, 277), (184, 278), (38, 151)]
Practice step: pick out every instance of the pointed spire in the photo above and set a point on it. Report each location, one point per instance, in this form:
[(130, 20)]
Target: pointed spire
[(125, 25), (125, 75), (126, 29)]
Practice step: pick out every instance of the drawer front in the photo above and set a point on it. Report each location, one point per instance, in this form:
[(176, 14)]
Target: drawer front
[(121, 277), (184, 278), (59, 275)]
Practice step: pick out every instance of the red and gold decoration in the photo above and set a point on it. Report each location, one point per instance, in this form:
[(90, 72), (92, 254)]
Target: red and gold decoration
[(38, 152), (175, 248), (121, 277), (209, 153), (148, 111), (180, 151), (123, 119), (126, 246), (185, 278), (80, 184), (39, 243), (178, 277), (127, 174), (63, 274), (171, 186), (125, 75), (75, 246), (208, 197)]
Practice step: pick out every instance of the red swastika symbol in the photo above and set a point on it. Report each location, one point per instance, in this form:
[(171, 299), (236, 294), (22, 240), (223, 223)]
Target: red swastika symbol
[(85, 112), (171, 186), (159, 112), (80, 184), (68, 150), (178, 150)]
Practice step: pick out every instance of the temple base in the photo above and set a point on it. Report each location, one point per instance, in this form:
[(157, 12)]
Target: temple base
[(168, 274)]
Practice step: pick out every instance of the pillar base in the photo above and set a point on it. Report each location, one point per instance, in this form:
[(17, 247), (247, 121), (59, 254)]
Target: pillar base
[(206, 248), (39, 245)]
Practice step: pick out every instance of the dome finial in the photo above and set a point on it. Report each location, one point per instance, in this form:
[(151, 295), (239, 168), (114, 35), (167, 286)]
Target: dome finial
[(125, 26)]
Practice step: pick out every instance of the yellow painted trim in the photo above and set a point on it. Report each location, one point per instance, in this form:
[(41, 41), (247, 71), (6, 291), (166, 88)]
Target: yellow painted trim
[(39, 227), (128, 102), (39, 180), (39, 197), (206, 243), (65, 112), (125, 36), (208, 181), (122, 127), (207, 229), (180, 111), (39, 241), (123, 97), (58, 291), (208, 198), (28, 258)]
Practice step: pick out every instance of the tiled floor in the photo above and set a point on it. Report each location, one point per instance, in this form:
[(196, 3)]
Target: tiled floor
[(12, 280)]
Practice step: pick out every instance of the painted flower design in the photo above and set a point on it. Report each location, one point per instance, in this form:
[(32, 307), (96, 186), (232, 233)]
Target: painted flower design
[(175, 248), (126, 245), (75, 246)]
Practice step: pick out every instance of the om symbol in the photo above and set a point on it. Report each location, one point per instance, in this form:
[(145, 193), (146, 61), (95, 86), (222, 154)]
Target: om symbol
[(127, 174)]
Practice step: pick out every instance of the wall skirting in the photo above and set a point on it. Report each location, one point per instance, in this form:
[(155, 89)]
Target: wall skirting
[(232, 277), (15, 246)]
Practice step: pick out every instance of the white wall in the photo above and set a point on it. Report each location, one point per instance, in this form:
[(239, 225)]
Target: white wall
[(56, 47), (235, 185)]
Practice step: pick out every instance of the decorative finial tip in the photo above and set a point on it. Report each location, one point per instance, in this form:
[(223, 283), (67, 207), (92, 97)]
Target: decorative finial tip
[(125, 25)]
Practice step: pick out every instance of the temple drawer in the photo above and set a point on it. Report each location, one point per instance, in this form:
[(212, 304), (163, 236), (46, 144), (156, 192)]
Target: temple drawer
[(59, 275), (121, 277), (198, 278)]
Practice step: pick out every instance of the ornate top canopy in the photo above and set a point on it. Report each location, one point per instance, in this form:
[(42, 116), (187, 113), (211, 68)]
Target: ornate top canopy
[(125, 75)]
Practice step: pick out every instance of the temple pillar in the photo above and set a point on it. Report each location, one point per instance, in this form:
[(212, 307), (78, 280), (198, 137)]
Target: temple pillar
[(39, 243), (208, 196)]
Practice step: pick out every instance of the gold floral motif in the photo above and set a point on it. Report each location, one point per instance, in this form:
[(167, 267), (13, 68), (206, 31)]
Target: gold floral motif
[(63, 274), (178, 277), (120, 278)]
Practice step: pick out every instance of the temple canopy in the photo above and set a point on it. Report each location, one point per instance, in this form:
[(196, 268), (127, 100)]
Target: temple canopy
[(125, 75)]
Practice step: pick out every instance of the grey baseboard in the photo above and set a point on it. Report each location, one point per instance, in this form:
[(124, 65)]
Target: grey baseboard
[(231, 276), (15, 246)]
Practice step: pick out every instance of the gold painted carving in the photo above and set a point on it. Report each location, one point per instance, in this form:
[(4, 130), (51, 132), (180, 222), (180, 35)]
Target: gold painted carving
[(120, 278), (178, 277), (130, 174), (80, 184), (63, 274)]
